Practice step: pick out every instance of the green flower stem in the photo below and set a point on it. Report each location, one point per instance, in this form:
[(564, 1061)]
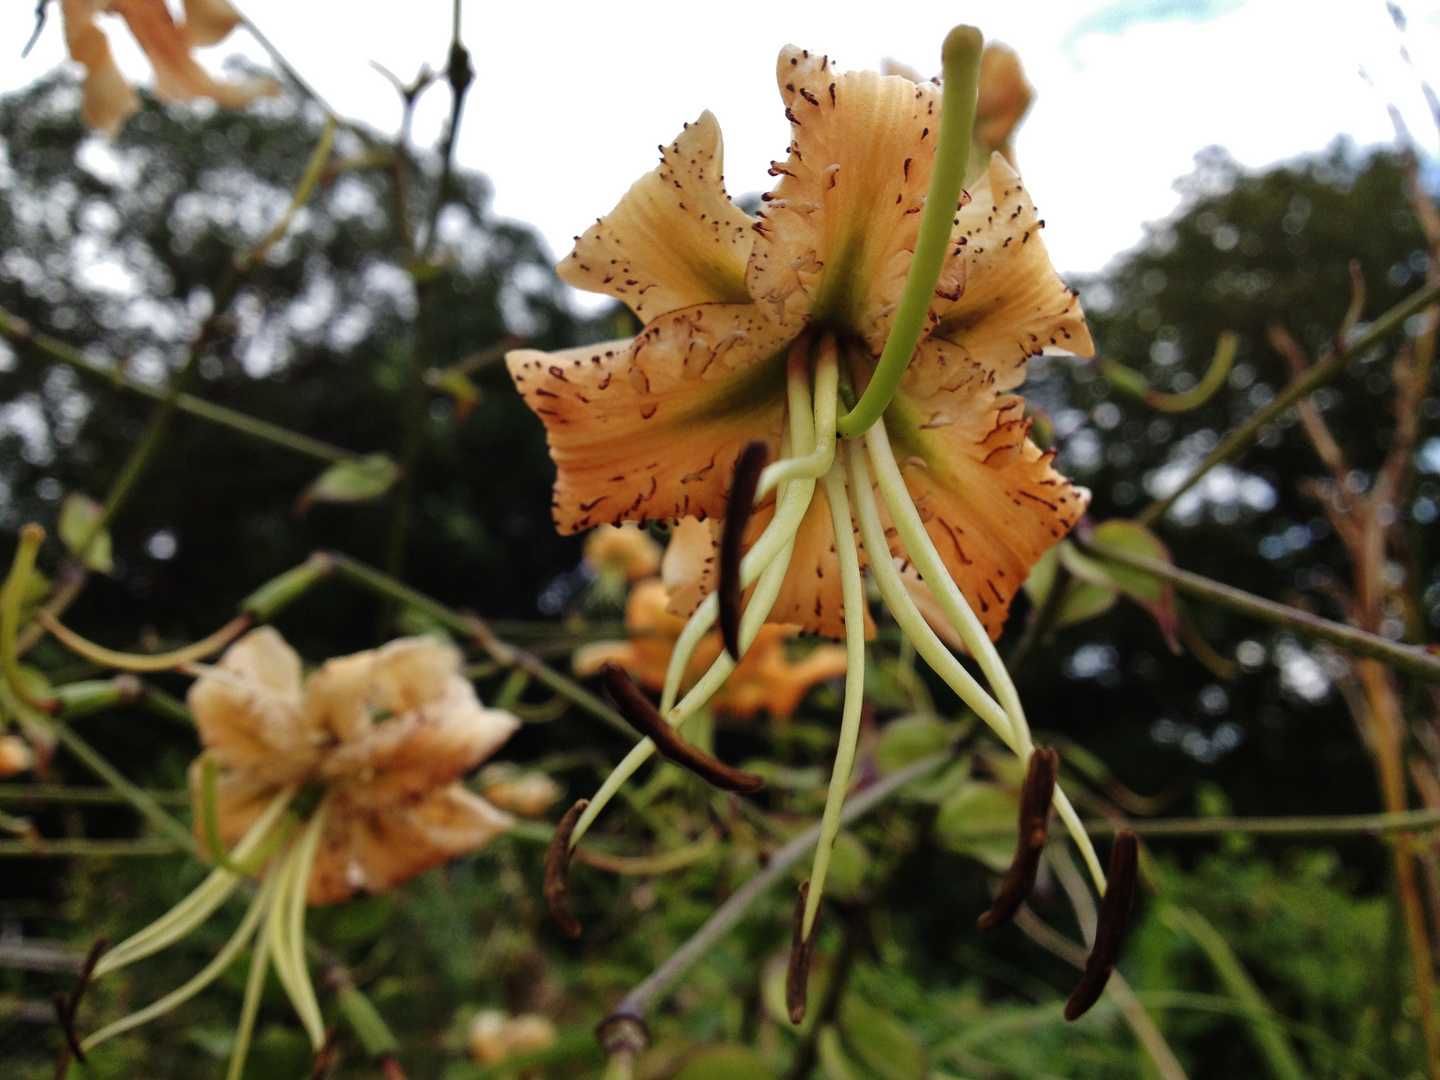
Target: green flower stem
[(639, 1001), (1336, 825), (314, 169), (961, 60), (468, 626), (852, 590), (18, 331), (59, 793), (1410, 659), (921, 550), (12, 596), (68, 847), (249, 1007), (941, 660), (284, 589), (208, 974), (1329, 368)]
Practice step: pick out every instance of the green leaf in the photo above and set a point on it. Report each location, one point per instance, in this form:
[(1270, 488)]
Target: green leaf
[(1085, 598), (726, 1061), (849, 862), (981, 820), (908, 739), (78, 515), (351, 481), (882, 1042), (1155, 596)]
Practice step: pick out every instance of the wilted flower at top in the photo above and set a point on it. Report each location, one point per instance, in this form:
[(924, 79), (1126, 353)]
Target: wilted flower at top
[(109, 99), (761, 338), (766, 679), (322, 786)]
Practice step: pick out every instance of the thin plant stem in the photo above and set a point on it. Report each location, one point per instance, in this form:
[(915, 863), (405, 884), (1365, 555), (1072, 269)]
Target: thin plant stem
[(639, 1000), (19, 332), (71, 847), (507, 655), (249, 1007), (12, 596), (1326, 370), (144, 662), (1407, 658), (961, 63)]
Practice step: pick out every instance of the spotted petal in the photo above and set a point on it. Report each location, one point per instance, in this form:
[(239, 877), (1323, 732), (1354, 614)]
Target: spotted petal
[(838, 233), (991, 501), (650, 429), (675, 239), (1014, 304)]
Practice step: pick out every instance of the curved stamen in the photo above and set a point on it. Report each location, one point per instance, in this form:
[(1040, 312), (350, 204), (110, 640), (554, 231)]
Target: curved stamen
[(827, 398), (285, 928), (921, 550), (557, 871), (852, 590), (208, 974), (766, 564), (934, 651), (202, 902), (1110, 928), (1035, 799), (249, 1007)]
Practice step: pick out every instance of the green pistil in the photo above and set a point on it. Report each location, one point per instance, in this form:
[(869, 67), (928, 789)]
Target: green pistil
[(961, 87)]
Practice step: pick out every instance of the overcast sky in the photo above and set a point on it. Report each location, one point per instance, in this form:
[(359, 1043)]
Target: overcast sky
[(572, 98)]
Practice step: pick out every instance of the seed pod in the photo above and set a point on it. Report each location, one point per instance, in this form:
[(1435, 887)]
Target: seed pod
[(802, 955), (646, 719), (1035, 800), (732, 538), (557, 872), (1110, 930)]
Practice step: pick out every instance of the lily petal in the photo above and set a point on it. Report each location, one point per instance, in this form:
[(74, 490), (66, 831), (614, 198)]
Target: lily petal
[(178, 77), (675, 239), (247, 708), (838, 233), (809, 596), (209, 22), (1014, 304), (650, 429), (376, 848), (401, 758), (107, 99), (991, 501)]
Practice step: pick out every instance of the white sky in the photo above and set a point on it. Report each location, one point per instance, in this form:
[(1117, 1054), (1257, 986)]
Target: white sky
[(572, 98)]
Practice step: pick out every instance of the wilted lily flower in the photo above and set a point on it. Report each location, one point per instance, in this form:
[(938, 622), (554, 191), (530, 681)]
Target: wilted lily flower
[(320, 787), (109, 100), (864, 333), (766, 679)]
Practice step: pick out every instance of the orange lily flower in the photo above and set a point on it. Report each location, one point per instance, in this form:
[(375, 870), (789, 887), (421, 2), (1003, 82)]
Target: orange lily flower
[(109, 100), (868, 276), (321, 787), (766, 679)]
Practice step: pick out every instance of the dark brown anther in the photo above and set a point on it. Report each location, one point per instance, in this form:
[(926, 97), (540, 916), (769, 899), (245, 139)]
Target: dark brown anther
[(802, 955), (1110, 930), (748, 467), (67, 1007), (557, 872), (646, 719), (1035, 800)]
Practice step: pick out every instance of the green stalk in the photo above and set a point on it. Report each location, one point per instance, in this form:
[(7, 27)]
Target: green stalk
[(961, 87), (1410, 659)]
